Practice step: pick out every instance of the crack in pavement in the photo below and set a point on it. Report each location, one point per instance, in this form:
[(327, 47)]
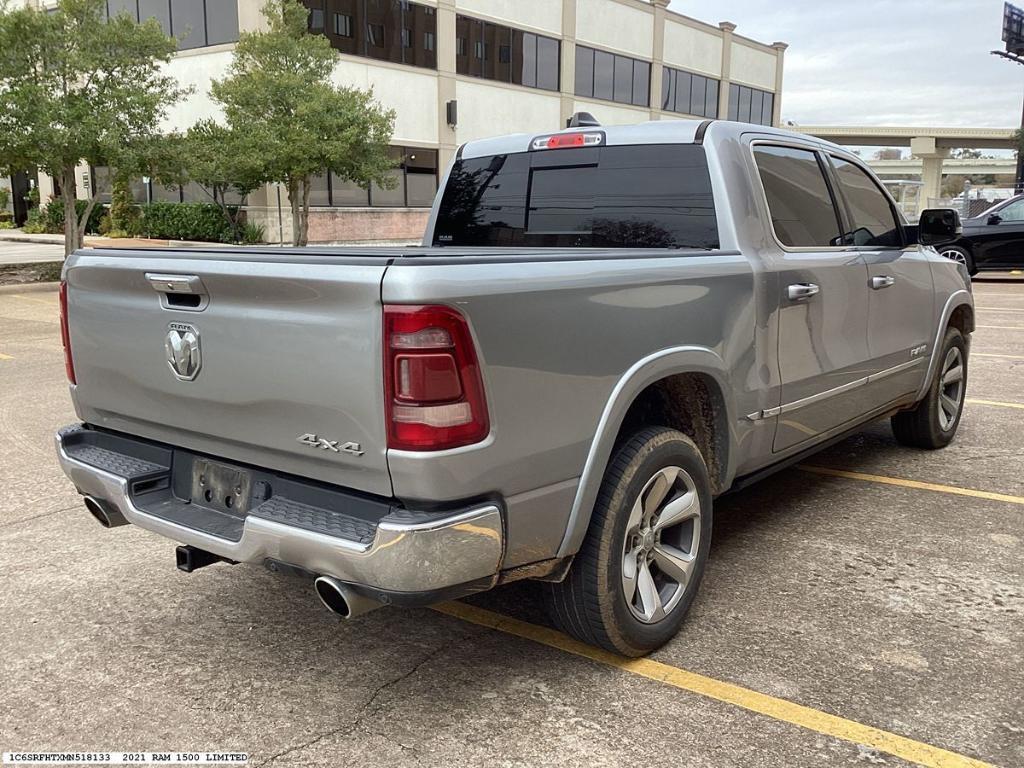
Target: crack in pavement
[(21, 520), (362, 712)]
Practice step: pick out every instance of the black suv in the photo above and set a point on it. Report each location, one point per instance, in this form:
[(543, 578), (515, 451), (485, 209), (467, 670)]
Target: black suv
[(993, 240)]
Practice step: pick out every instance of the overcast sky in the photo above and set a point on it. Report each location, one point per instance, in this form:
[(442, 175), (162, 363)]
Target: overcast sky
[(883, 62)]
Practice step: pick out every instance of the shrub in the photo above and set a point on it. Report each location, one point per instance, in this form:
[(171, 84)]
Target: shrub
[(253, 234), (6, 224), (5, 198), (186, 221), (52, 217), (124, 214)]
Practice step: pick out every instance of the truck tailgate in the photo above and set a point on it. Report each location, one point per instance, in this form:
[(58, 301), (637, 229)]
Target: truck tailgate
[(289, 356)]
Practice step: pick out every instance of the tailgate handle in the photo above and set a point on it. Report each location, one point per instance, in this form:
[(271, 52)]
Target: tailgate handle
[(181, 292)]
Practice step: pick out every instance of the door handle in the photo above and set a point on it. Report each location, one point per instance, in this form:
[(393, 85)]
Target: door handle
[(800, 291), (878, 283)]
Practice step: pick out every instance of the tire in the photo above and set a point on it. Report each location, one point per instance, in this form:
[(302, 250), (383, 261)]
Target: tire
[(961, 254), (933, 422), (591, 604)]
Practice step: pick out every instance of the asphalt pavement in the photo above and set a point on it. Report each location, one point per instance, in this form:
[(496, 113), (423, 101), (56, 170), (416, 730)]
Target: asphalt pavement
[(866, 608)]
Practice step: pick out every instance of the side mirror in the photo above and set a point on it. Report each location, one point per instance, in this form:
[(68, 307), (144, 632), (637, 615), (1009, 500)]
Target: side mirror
[(995, 218), (938, 225)]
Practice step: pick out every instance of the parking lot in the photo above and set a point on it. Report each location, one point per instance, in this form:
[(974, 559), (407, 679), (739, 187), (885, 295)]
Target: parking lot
[(867, 608)]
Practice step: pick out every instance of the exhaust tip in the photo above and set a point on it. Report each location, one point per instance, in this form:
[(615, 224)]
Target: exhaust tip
[(332, 596), (341, 600), (105, 514)]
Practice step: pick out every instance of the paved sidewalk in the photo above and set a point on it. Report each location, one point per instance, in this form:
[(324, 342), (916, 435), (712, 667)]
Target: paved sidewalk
[(29, 252)]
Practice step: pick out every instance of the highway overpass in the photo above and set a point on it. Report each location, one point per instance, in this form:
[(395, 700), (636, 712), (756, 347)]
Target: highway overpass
[(929, 144)]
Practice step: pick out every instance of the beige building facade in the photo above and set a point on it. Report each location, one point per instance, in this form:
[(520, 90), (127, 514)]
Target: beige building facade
[(460, 70)]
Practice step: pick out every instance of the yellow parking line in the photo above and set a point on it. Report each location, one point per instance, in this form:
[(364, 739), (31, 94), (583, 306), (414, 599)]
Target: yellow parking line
[(729, 693), (5, 357), (973, 401), (990, 354), (1000, 309), (953, 489)]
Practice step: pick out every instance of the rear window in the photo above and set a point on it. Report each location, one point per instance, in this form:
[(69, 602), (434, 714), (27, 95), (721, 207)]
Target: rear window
[(649, 196)]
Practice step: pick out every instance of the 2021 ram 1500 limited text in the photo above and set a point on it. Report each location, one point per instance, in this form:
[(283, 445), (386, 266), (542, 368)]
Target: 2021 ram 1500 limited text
[(605, 329)]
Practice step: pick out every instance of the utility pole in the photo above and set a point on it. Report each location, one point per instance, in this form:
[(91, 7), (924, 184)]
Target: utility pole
[(1013, 37)]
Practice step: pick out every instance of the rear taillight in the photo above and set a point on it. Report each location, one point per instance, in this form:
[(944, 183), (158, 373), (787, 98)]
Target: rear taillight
[(433, 390), (65, 336)]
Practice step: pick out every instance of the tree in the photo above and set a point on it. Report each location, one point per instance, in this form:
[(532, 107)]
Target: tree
[(219, 159), (279, 94), (74, 88)]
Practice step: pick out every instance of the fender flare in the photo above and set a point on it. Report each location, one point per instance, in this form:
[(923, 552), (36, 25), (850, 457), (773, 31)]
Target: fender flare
[(960, 298), (656, 366)]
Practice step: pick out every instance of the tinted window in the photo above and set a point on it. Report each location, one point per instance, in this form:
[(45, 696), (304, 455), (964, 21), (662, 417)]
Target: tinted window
[(391, 30), (613, 197), (604, 75), (156, 9), (616, 78), (188, 22), (1012, 212), (549, 63), (221, 21), (584, 71), (749, 105), (117, 7), (799, 201), (873, 220)]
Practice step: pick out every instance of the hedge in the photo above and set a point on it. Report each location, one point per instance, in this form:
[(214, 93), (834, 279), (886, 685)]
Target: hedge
[(185, 221), (51, 217)]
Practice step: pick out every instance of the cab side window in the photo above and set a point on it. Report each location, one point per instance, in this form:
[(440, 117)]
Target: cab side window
[(802, 210), (873, 221), (1012, 212)]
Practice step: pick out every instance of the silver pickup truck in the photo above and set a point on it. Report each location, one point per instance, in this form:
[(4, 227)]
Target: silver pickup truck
[(605, 329)]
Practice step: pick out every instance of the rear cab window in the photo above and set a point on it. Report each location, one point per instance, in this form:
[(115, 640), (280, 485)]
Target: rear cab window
[(637, 196)]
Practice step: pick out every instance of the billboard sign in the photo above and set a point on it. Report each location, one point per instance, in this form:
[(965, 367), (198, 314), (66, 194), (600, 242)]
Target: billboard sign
[(1013, 29)]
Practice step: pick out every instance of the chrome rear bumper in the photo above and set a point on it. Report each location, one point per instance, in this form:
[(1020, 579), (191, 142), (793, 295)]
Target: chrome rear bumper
[(408, 553)]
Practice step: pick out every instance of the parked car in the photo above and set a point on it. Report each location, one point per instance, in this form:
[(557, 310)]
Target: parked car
[(606, 328), (993, 240)]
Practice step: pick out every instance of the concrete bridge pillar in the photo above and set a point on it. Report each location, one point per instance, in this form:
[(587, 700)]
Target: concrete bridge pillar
[(931, 156)]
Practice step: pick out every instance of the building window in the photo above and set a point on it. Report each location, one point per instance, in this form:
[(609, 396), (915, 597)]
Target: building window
[(415, 177), (506, 54), (195, 23), (603, 75), (689, 94), (342, 24), (749, 105), (389, 30)]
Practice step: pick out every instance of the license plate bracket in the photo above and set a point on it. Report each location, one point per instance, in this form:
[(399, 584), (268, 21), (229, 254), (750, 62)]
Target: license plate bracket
[(221, 487)]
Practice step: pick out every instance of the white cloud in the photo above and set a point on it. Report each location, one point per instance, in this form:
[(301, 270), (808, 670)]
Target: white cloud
[(914, 62)]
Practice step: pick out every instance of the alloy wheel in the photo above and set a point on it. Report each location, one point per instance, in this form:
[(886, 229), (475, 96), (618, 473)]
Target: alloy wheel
[(661, 543), (951, 389), (955, 255)]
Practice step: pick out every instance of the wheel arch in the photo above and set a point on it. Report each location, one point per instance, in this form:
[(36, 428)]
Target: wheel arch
[(958, 312), (688, 386)]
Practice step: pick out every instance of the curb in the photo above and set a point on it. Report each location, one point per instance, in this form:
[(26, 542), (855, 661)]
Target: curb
[(28, 288)]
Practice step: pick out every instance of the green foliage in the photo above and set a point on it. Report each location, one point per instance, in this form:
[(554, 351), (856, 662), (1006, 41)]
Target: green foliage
[(5, 197), (253, 234), (75, 87), (6, 224), (124, 213), (51, 218), (186, 221), (279, 95)]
